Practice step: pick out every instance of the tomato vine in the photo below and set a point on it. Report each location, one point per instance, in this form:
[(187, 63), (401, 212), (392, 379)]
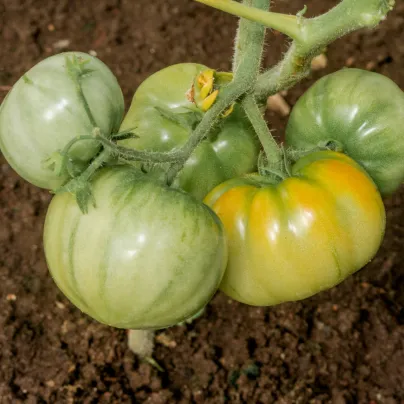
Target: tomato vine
[(249, 86), (157, 210)]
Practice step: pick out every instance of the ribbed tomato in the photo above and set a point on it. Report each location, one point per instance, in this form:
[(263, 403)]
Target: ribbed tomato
[(299, 237), (362, 113), (43, 112), (230, 151), (147, 256)]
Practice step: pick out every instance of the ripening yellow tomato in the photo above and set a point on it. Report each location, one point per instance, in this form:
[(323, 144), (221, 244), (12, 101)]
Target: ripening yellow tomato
[(303, 235)]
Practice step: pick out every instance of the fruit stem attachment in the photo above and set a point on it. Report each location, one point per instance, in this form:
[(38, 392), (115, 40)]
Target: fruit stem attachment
[(141, 343), (287, 24), (271, 149)]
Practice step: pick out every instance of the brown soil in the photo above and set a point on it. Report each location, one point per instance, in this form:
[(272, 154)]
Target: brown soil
[(342, 346)]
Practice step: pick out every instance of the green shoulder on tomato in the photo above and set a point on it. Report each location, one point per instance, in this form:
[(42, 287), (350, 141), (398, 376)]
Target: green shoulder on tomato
[(231, 151), (360, 111)]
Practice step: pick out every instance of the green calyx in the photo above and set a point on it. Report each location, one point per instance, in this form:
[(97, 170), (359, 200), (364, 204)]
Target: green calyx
[(274, 173)]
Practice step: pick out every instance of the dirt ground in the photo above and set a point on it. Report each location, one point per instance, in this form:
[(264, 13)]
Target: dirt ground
[(342, 346)]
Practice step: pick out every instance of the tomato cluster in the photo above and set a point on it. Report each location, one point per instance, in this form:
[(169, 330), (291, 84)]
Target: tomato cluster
[(148, 254)]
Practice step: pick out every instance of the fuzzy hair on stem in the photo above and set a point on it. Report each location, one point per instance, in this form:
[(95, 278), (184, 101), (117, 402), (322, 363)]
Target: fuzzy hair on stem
[(315, 34)]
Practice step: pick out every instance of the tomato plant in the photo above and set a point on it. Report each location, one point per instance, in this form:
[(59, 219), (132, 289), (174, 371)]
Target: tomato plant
[(360, 112), (147, 256), (44, 111), (303, 235), (131, 247), (230, 150)]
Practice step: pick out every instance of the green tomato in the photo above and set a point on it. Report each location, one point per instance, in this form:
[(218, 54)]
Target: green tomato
[(360, 111), (147, 256), (230, 152), (43, 112)]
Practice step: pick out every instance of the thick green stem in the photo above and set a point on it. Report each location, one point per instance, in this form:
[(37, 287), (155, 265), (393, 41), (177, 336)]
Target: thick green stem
[(240, 41), (141, 155), (310, 36), (271, 149), (80, 181), (315, 34), (249, 46), (226, 97), (288, 24)]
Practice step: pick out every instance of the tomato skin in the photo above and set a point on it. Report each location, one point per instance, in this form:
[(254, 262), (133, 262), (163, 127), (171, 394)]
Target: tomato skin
[(306, 234), (42, 113), (232, 152), (147, 256), (363, 111)]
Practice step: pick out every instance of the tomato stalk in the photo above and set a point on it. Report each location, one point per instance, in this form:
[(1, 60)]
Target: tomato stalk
[(315, 35), (310, 35), (271, 149), (287, 24), (244, 80)]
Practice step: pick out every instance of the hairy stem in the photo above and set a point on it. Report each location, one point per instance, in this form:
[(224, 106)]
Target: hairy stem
[(271, 149), (77, 183), (249, 46), (245, 75), (315, 34), (288, 24), (141, 155), (98, 162), (310, 36)]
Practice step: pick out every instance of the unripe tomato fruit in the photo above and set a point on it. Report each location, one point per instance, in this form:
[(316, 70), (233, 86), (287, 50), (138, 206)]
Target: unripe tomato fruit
[(147, 256), (229, 152), (299, 237), (43, 112), (362, 112)]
